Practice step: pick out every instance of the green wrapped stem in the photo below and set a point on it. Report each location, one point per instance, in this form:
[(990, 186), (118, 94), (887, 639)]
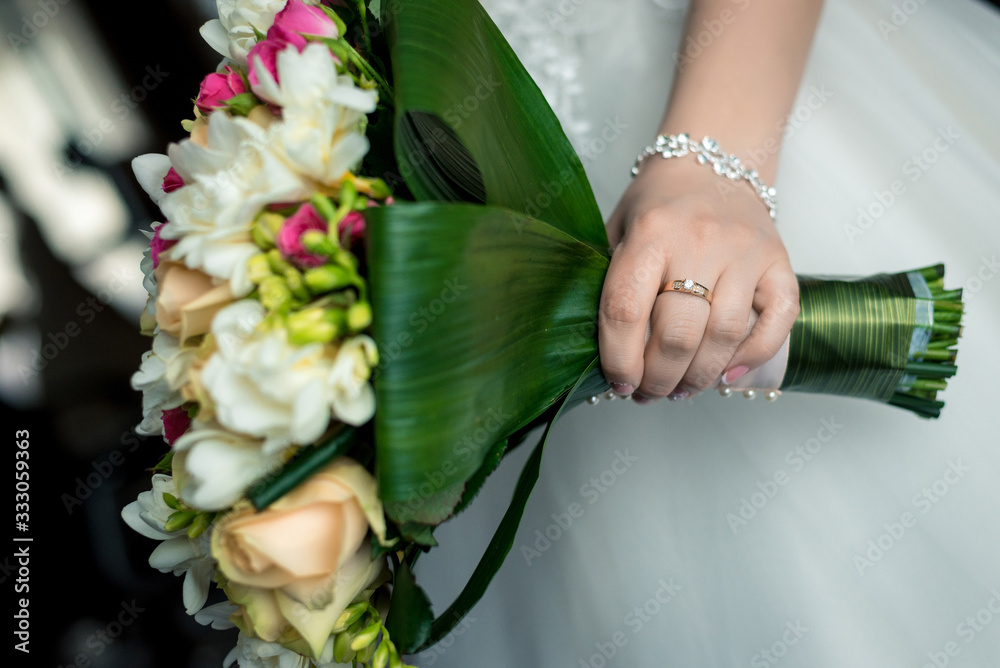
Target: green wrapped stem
[(887, 337)]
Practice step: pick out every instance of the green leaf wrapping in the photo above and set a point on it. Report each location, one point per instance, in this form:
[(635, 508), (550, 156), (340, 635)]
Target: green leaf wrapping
[(471, 124), (887, 337), (484, 318), (308, 460), (851, 337)]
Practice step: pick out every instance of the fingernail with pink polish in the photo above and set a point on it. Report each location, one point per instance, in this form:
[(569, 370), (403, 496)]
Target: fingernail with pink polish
[(640, 399), (678, 395), (623, 389), (734, 374)]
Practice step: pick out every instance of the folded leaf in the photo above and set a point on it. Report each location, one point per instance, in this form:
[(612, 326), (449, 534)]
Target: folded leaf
[(484, 318), (472, 125)]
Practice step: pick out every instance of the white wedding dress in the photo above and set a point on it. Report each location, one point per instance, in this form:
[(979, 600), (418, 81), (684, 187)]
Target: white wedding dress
[(814, 531)]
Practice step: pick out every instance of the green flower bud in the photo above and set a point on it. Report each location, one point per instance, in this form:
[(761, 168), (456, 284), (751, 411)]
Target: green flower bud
[(265, 228), (277, 261), (366, 636), (342, 648), (348, 195), (359, 316), (200, 523), (380, 189), (346, 259), (318, 243), (327, 278), (315, 325), (365, 655), (323, 206), (171, 501), (394, 659), (274, 293), (381, 657), (178, 520), (350, 615), (293, 277), (258, 268)]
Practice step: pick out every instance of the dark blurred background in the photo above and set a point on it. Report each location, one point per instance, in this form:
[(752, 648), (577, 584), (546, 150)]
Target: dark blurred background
[(85, 86)]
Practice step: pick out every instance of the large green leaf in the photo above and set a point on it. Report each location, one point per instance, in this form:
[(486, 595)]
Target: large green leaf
[(484, 318), (472, 125)]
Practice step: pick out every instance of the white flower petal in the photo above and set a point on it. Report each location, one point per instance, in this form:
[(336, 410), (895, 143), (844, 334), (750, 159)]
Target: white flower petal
[(217, 615), (170, 555), (221, 465), (132, 517), (196, 583), (150, 170), (216, 35), (355, 409)]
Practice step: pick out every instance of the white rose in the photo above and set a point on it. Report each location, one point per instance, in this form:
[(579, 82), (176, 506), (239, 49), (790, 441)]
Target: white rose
[(177, 554), (322, 112), (232, 34)]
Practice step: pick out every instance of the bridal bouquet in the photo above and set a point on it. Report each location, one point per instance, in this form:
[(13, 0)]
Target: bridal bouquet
[(378, 271)]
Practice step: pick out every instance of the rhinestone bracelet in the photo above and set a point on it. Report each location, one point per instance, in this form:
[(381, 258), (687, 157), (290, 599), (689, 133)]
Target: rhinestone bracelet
[(724, 164)]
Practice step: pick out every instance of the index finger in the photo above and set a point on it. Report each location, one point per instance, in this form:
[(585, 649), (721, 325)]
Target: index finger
[(630, 288)]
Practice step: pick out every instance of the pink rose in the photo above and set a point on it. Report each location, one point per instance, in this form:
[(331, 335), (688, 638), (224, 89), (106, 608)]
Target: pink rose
[(172, 181), (290, 24), (305, 19), (218, 87), (265, 54), (289, 238), (175, 423), (353, 226), (158, 244)]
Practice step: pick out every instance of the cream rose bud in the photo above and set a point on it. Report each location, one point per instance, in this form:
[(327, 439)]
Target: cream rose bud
[(187, 300), (303, 560)]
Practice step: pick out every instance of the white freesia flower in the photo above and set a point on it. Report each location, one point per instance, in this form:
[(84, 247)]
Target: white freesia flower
[(177, 553), (215, 466), (257, 653), (232, 34), (264, 386), (353, 398), (162, 373), (261, 384), (322, 112), (227, 183), (147, 319)]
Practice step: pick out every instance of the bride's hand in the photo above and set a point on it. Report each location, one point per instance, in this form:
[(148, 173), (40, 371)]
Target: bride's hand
[(679, 220)]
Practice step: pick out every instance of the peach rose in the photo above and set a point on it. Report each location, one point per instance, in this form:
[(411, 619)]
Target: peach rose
[(294, 567), (187, 300)]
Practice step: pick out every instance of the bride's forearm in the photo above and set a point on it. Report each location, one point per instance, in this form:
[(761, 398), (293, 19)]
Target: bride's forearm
[(738, 71)]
